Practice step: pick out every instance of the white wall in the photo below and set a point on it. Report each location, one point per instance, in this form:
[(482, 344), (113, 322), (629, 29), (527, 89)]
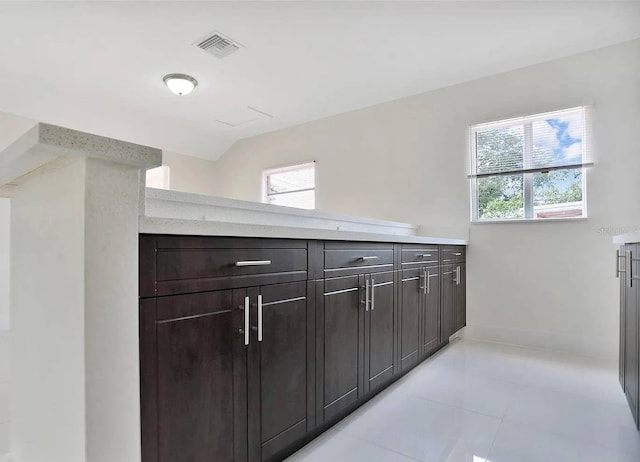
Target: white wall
[(190, 174), (541, 284), (4, 264)]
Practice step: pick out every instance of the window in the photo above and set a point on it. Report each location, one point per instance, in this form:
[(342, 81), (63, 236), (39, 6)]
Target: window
[(530, 168), (293, 186), (158, 177)]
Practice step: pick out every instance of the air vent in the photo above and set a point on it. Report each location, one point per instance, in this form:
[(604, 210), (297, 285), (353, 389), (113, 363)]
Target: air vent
[(218, 45)]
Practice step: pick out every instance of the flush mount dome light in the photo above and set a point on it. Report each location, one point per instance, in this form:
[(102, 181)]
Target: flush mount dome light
[(180, 84)]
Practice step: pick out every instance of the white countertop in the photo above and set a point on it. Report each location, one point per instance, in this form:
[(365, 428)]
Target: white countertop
[(155, 225), (629, 238), (174, 212)]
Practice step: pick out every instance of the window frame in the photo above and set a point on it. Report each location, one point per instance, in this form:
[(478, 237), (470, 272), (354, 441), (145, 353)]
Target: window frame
[(527, 177), (288, 168)]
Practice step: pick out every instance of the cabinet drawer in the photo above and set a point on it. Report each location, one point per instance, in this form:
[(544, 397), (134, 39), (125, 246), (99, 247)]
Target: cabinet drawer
[(416, 255), (343, 258), (453, 253), (185, 264)]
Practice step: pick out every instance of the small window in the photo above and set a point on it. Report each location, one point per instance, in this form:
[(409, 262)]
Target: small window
[(293, 186), (158, 177), (531, 168)]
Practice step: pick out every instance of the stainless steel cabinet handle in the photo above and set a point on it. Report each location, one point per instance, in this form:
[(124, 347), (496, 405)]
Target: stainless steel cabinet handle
[(456, 278), (373, 294), (618, 263), (426, 282), (428, 278), (370, 257), (366, 294), (253, 263), (246, 320), (424, 255), (458, 254), (628, 268), (259, 318)]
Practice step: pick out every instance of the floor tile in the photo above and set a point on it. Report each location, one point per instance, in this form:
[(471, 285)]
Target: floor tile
[(478, 394), (425, 430), (593, 421), (338, 447)]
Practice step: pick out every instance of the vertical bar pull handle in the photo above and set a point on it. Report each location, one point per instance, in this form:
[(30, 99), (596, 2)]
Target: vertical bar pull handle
[(428, 278), (366, 294), (425, 287), (259, 318), (246, 320), (373, 294), (629, 266), (618, 263)]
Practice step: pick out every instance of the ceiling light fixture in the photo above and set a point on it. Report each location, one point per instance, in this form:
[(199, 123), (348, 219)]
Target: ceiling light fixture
[(180, 84)]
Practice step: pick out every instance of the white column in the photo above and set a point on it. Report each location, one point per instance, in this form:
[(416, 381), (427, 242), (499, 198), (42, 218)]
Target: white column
[(74, 295)]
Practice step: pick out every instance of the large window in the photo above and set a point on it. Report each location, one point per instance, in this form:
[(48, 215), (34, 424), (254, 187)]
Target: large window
[(530, 168), (293, 186)]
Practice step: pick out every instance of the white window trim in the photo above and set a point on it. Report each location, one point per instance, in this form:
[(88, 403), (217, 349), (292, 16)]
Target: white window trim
[(528, 120), (288, 168)]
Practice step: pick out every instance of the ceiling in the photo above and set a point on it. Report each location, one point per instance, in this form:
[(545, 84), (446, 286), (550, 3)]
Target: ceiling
[(98, 67)]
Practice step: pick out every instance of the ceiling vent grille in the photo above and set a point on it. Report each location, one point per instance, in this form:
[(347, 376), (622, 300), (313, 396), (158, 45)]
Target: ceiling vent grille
[(218, 45)]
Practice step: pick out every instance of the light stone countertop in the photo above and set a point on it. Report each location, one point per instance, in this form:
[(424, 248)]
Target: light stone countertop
[(175, 212), (156, 225)]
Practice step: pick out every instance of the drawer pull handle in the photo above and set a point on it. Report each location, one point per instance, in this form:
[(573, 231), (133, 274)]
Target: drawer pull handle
[(424, 255), (371, 257), (458, 254), (253, 263)]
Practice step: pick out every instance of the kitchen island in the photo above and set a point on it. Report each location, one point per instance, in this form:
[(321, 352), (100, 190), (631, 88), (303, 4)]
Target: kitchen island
[(255, 337)]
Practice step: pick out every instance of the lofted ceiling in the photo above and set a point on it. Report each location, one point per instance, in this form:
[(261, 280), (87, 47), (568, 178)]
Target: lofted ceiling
[(98, 66)]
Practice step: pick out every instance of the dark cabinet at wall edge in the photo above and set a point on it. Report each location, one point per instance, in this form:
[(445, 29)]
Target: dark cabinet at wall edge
[(628, 270), (250, 347)]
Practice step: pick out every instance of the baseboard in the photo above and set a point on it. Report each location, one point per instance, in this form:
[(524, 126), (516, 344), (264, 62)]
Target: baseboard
[(549, 341)]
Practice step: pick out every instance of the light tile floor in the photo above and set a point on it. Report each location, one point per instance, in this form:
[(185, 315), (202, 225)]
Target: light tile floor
[(483, 402)]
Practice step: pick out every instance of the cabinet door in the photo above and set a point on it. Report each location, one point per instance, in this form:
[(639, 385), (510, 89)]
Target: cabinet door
[(430, 321), (461, 297), (631, 331), (379, 327), (281, 364), (620, 259), (411, 300), (448, 304), (193, 360), (340, 345)]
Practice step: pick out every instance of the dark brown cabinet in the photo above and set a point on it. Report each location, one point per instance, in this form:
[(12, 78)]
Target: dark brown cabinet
[(251, 347), (430, 321), (630, 325), (448, 303), (460, 296), (419, 314), (411, 302), (355, 335), (280, 373), (194, 395), (340, 344), (379, 329)]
